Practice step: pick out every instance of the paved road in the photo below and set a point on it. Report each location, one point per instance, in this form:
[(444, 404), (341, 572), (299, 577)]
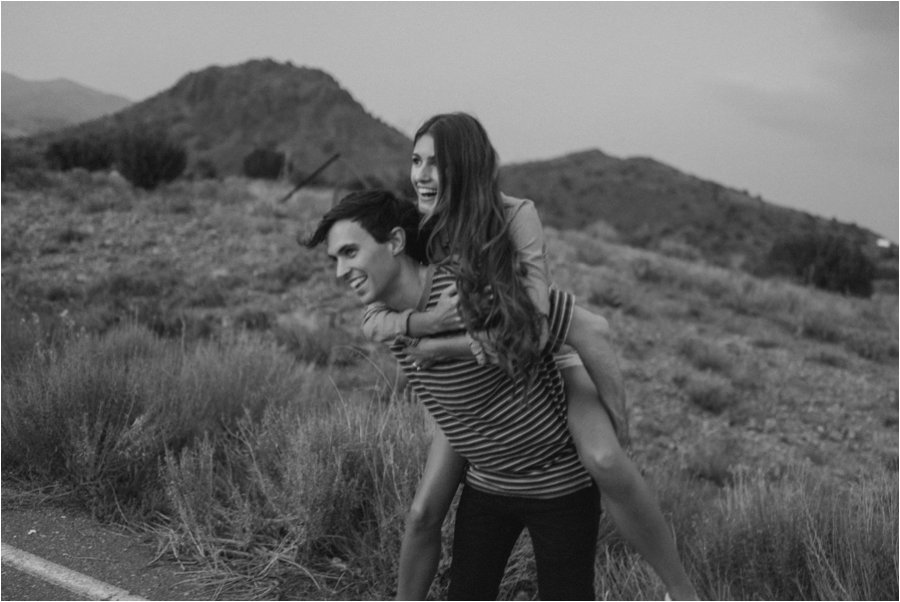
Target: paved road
[(72, 539), (16, 585)]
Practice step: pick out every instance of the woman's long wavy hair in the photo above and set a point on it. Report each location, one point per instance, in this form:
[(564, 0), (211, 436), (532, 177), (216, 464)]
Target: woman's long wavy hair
[(469, 234)]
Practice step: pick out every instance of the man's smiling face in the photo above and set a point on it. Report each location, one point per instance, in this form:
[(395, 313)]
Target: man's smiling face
[(366, 265)]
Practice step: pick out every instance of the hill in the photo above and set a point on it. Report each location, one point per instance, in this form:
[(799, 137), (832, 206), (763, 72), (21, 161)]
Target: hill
[(653, 205), (769, 372), (756, 405), (34, 107), (221, 114)]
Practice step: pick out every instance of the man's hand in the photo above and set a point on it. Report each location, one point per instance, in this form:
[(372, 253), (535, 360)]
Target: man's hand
[(426, 351), (423, 354)]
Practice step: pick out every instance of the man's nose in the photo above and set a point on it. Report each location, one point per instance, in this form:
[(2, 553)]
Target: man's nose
[(340, 269)]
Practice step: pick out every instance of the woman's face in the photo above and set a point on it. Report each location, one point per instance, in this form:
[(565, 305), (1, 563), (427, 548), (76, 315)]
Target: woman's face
[(423, 173)]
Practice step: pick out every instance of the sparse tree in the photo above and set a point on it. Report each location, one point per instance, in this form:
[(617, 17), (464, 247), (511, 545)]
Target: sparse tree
[(825, 260), (264, 163), (90, 152), (148, 159)]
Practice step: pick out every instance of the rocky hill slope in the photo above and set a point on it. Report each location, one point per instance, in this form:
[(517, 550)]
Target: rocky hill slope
[(725, 372), (654, 205), (222, 114)]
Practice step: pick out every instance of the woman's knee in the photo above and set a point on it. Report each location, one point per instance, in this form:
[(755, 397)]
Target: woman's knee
[(604, 459), (589, 324)]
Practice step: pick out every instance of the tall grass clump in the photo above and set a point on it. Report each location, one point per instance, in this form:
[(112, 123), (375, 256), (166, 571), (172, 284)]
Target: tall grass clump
[(801, 538), (319, 345), (705, 355), (99, 413), (302, 503)]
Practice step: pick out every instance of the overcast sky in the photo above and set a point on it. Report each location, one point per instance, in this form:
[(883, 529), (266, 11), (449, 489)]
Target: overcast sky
[(796, 102)]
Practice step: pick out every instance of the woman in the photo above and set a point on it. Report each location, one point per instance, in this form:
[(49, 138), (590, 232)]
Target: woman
[(494, 244)]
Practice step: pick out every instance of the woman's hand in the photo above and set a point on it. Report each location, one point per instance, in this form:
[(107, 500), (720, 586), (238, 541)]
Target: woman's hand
[(445, 316)]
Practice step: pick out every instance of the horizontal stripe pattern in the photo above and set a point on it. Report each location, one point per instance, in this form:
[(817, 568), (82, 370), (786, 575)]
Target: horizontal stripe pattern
[(514, 446)]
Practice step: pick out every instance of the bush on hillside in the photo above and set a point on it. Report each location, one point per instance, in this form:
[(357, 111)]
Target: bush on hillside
[(264, 163), (204, 169), (824, 260), (148, 159), (90, 152), (22, 167)]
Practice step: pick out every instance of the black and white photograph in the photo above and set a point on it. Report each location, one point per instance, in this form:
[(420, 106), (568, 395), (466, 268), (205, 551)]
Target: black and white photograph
[(578, 300)]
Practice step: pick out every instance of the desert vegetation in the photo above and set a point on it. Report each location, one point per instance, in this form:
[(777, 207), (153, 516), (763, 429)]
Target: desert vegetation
[(145, 158), (173, 359)]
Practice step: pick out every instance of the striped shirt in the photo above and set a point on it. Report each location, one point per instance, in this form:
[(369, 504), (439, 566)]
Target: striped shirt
[(514, 447)]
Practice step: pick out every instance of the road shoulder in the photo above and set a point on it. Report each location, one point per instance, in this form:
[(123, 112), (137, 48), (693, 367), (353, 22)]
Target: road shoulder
[(69, 537)]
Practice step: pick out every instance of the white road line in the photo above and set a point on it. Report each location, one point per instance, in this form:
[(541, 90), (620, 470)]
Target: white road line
[(73, 581)]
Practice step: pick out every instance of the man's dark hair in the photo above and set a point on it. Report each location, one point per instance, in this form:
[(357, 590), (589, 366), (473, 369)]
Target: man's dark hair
[(378, 212)]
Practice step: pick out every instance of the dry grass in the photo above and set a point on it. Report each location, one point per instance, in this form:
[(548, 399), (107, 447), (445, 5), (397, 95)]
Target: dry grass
[(188, 358)]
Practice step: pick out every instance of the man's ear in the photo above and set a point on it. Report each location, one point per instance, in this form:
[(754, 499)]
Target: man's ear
[(398, 240)]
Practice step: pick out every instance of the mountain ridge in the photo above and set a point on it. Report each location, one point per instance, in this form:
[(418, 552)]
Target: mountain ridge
[(654, 205), (222, 113), (33, 107)]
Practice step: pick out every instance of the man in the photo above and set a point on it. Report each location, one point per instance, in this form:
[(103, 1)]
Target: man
[(523, 468)]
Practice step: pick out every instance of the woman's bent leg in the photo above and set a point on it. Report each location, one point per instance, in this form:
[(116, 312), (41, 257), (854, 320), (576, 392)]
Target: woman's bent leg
[(626, 496)]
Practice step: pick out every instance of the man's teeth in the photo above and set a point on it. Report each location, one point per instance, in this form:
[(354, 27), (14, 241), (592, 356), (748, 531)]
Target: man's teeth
[(357, 282)]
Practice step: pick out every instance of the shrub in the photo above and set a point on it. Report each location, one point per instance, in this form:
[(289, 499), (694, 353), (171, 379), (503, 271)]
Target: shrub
[(711, 392), (829, 359), (149, 159), (713, 459), (827, 261), (300, 500), (205, 169), (290, 272), (90, 152), (22, 337), (705, 355), (99, 414), (22, 167), (322, 346), (264, 163), (122, 285), (874, 346), (254, 319), (801, 539), (821, 325), (70, 234)]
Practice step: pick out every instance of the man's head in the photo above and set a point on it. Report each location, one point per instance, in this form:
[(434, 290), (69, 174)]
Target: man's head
[(369, 235)]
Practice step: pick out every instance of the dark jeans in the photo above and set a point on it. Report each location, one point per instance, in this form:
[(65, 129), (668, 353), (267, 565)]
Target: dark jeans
[(563, 534)]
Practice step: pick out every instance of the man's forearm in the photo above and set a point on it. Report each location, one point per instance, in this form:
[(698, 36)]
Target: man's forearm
[(421, 324)]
